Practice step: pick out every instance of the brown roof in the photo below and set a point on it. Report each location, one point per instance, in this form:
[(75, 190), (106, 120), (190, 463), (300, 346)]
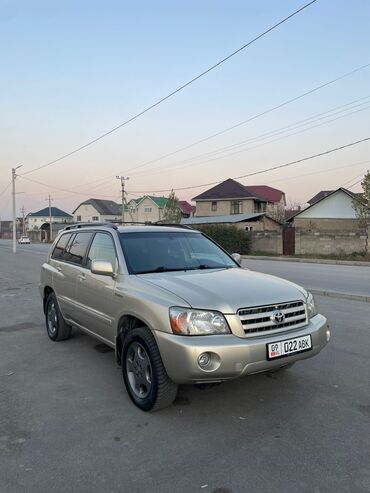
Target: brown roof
[(324, 193), (228, 189)]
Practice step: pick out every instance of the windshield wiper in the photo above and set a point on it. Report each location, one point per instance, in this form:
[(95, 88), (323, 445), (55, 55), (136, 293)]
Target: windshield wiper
[(161, 269)]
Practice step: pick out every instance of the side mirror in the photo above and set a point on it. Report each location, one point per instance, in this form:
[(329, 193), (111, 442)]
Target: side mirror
[(102, 267), (237, 257)]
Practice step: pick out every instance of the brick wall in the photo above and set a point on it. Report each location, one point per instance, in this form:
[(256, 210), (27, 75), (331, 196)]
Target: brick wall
[(329, 241), (267, 241)]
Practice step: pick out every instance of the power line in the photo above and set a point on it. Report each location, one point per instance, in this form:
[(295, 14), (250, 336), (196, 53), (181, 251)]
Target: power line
[(291, 163), (282, 130), (183, 86), (63, 189), (5, 189), (254, 117)]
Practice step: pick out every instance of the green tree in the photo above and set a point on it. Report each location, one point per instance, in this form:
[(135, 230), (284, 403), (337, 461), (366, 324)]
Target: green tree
[(172, 211), (361, 205)]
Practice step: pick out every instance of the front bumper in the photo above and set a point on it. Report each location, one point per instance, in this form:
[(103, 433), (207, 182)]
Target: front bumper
[(235, 356)]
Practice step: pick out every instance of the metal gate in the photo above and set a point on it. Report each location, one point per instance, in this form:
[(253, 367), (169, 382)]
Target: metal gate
[(288, 241)]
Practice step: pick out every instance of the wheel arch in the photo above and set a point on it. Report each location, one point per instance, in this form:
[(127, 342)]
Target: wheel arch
[(127, 323), (47, 291)]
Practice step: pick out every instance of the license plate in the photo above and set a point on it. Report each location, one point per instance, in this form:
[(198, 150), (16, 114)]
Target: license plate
[(289, 346)]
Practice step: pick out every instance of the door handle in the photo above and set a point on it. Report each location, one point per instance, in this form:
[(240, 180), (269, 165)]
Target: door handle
[(82, 277), (59, 269)]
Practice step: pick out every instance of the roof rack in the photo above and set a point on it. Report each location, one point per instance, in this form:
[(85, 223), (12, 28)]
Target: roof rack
[(89, 225), (115, 224)]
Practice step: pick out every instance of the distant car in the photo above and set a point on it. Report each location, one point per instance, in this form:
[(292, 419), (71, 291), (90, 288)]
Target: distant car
[(24, 240)]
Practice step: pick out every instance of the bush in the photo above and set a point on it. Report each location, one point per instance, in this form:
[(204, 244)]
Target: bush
[(232, 239)]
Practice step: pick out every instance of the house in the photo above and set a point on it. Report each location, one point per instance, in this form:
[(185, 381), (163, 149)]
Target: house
[(148, 208), (187, 210), (231, 197), (97, 210), (34, 220), (328, 210), (248, 222)]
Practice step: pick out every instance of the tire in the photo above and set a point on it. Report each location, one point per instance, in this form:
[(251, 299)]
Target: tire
[(281, 368), (144, 374), (56, 326)]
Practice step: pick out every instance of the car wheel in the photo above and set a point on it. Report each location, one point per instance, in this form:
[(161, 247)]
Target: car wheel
[(144, 374), (281, 368), (56, 326)]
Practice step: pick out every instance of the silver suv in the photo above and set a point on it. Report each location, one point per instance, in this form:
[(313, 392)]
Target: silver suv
[(176, 308)]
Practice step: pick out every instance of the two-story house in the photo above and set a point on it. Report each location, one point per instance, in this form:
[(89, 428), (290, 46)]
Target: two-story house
[(231, 197), (148, 208), (97, 210), (34, 220)]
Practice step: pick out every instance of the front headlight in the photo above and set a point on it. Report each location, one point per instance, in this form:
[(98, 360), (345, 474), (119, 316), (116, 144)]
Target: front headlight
[(311, 307), (185, 321)]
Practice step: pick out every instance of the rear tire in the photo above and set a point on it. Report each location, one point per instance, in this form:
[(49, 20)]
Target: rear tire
[(144, 374), (56, 326)]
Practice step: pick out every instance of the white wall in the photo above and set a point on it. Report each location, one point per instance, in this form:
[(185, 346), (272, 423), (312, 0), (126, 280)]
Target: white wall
[(37, 222), (337, 206)]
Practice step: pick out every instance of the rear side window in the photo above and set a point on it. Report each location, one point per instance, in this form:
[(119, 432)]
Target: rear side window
[(77, 249), (60, 247)]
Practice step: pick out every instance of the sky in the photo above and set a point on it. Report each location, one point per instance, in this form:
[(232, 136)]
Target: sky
[(73, 70)]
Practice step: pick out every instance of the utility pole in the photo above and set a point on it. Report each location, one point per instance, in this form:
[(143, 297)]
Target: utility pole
[(23, 211), (49, 199), (123, 199), (14, 176)]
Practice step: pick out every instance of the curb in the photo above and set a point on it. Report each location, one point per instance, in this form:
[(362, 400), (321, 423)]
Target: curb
[(357, 263), (333, 294)]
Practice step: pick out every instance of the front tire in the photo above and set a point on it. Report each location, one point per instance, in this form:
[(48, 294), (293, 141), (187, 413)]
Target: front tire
[(56, 326), (144, 374)]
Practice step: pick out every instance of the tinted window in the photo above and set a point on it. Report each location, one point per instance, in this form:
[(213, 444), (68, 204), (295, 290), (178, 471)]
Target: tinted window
[(77, 249), (60, 246), (156, 252), (102, 248)]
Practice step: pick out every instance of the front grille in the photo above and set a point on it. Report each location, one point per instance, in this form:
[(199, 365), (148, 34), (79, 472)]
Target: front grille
[(259, 319)]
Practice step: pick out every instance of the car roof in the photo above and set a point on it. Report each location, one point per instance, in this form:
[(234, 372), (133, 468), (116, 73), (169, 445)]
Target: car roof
[(128, 228)]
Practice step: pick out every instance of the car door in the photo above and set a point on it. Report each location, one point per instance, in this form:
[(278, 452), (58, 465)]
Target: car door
[(68, 257), (95, 292)]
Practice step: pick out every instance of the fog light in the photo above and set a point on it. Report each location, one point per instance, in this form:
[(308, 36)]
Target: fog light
[(203, 359), (327, 335)]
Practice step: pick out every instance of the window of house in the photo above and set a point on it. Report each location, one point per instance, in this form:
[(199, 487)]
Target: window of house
[(147, 209), (236, 207), (249, 228), (95, 218), (78, 219), (214, 206)]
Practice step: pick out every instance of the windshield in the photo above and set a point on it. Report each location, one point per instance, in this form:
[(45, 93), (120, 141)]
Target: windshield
[(160, 252)]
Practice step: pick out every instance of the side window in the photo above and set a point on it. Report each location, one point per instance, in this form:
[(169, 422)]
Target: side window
[(102, 248), (77, 249), (60, 247)]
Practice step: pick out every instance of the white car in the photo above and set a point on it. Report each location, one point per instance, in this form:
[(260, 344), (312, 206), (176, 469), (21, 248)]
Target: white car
[(24, 240)]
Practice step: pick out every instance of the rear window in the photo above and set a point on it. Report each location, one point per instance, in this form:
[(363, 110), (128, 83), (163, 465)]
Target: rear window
[(77, 250), (60, 246)]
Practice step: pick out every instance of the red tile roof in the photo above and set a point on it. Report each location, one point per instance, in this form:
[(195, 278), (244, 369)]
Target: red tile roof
[(185, 207), (265, 192)]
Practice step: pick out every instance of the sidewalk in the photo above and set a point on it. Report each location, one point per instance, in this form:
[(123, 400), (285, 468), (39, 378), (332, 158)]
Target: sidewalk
[(308, 260)]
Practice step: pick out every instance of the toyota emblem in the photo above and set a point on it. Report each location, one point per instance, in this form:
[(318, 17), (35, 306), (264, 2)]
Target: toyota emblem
[(278, 317)]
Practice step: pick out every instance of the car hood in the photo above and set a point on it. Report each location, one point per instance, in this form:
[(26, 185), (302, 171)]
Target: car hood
[(226, 290)]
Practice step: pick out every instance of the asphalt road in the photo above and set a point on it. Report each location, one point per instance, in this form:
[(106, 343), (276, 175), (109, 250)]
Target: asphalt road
[(325, 277), (67, 424)]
